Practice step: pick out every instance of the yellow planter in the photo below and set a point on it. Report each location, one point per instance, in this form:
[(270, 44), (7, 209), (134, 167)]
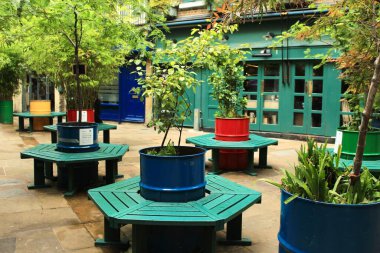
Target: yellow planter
[(40, 107)]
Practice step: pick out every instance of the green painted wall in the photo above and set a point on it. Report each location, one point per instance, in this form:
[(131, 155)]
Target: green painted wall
[(291, 51)]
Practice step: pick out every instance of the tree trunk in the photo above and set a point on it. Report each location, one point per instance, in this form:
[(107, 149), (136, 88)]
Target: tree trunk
[(77, 79), (365, 120)]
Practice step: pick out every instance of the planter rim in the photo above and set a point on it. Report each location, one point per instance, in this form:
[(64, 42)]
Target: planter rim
[(353, 131), (332, 204), (72, 124), (201, 151), (242, 117)]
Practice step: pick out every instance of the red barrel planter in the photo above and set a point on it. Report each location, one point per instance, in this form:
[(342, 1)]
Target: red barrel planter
[(232, 129), (72, 115)]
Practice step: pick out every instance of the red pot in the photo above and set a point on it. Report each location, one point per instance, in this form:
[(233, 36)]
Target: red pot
[(88, 115), (232, 129)]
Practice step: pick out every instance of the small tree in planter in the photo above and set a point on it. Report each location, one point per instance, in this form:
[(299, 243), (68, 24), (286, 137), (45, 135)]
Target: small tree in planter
[(318, 203), (227, 80), (360, 59), (84, 35), (170, 172)]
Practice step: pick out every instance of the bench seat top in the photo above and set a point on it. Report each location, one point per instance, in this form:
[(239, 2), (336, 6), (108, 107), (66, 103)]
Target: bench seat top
[(32, 115), (372, 165), (48, 153), (122, 204), (101, 127), (254, 142)]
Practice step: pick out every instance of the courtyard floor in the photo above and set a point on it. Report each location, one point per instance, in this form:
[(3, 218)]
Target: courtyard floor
[(44, 220)]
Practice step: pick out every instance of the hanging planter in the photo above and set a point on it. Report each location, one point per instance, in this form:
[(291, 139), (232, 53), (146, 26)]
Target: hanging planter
[(173, 178), (74, 137)]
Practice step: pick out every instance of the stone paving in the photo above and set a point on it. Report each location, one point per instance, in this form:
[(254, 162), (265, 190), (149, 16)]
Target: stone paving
[(44, 220)]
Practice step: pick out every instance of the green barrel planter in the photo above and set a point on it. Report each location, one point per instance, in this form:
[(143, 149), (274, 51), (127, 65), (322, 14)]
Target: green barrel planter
[(372, 146), (6, 111)]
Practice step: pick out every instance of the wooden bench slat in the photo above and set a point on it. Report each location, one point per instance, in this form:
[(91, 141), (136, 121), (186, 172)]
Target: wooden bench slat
[(168, 213), (114, 200), (208, 141), (217, 201), (107, 209), (126, 199), (238, 207)]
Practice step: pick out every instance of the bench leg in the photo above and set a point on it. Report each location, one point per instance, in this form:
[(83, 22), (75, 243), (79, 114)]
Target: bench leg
[(31, 124), (21, 126), (263, 157), (234, 233), (59, 119), (111, 237), (71, 189), (112, 171), (49, 171), (106, 136), (39, 176), (53, 137), (215, 162), (250, 169)]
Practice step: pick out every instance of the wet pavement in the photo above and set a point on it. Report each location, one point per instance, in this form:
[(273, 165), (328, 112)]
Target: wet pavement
[(44, 220)]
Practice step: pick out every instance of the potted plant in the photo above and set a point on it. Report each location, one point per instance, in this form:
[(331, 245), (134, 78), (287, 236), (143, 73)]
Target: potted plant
[(227, 80), (170, 172), (10, 73), (321, 211), (348, 134)]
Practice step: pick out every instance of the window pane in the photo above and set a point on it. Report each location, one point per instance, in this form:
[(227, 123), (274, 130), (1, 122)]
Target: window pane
[(318, 71), (250, 85), (316, 103), (270, 118), (299, 102), (300, 69), (316, 120), (271, 85), (272, 70), (298, 119), (271, 101), (317, 86), (251, 69), (252, 101), (299, 86), (252, 116)]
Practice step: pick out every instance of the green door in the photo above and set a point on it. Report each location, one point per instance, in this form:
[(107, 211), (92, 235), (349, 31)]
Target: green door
[(306, 99), (263, 89)]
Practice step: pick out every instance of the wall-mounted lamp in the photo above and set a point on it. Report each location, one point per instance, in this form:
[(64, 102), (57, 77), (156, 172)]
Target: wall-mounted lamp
[(263, 53), (269, 36)]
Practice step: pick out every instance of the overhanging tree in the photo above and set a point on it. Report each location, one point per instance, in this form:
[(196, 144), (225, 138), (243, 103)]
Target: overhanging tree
[(57, 35)]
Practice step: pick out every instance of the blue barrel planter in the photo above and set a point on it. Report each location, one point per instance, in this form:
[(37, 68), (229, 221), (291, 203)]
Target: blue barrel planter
[(178, 178), (314, 227), (75, 137)]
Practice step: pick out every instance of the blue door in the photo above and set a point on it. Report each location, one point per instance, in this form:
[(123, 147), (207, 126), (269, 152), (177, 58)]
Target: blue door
[(131, 107)]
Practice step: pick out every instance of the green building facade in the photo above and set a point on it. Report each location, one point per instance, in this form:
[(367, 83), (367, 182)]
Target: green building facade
[(286, 93)]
